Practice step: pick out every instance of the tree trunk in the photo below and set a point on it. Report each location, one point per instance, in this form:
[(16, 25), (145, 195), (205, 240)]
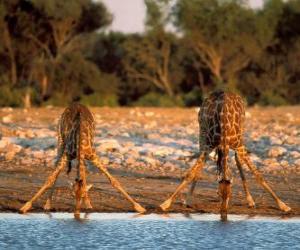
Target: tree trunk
[(27, 99), (11, 54)]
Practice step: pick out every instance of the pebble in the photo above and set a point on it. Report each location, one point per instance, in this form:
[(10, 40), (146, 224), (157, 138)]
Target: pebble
[(7, 119), (276, 151)]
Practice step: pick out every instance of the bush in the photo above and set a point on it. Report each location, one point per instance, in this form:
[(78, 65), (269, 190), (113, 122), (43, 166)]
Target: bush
[(10, 97), (193, 98), (97, 99), (153, 99), (273, 99)]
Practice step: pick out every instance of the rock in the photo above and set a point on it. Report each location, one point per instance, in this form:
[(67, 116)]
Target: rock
[(271, 164), (104, 160), (149, 114), (150, 125), (290, 117), (148, 160), (39, 154), (7, 118), (7, 109), (297, 162), (12, 150), (125, 134), (169, 167), (130, 161), (284, 163), (163, 151), (275, 141), (295, 154), (190, 131), (153, 136), (276, 151), (108, 145)]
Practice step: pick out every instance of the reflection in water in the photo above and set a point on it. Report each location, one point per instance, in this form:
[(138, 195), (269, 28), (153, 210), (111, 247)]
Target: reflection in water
[(132, 231)]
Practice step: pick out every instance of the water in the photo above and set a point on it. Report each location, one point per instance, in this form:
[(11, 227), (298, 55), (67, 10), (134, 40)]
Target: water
[(129, 231)]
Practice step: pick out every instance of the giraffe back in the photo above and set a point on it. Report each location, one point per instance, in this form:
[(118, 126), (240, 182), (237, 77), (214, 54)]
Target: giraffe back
[(221, 120), (76, 131)]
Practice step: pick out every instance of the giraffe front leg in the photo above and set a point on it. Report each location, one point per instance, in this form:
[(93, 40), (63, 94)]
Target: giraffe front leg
[(50, 181), (188, 200), (60, 152), (260, 179), (249, 198), (192, 172), (115, 183)]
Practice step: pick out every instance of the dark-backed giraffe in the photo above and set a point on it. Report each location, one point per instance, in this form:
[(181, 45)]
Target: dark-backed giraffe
[(221, 121), (76, 130)]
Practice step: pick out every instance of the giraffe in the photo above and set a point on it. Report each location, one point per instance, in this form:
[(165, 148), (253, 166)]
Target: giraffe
[(221, 121), (76, 130)]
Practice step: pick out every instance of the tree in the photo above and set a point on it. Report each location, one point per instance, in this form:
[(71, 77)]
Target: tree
[(148, 58), (39, 34), (221, 33)]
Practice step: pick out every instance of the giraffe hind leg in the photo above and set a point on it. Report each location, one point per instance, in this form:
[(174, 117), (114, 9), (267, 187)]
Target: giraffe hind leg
[(249, 198), (242, 154)]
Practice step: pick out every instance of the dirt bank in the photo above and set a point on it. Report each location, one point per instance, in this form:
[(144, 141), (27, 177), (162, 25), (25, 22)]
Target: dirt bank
[(148, 150)]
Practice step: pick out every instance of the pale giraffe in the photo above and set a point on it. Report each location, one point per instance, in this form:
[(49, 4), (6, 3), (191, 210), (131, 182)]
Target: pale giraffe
[(221, 121), (76, 130)]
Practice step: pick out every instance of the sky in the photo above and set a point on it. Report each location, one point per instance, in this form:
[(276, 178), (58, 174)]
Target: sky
[(129, 15)]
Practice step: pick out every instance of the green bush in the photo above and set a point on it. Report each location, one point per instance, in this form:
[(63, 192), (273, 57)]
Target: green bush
[(193, 98), (58, 99), (273, 99), (153, 99), (97, 99), (10, 97)]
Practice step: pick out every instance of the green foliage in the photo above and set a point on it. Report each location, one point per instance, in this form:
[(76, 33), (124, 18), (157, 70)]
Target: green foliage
[(10, 97), (271, 98), (57, 50), (99, 99), (193, 98), (153, 99)]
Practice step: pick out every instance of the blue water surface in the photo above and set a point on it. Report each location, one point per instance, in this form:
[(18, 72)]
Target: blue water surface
[(130, 231)]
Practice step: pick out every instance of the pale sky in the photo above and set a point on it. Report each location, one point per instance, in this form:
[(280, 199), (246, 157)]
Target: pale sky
[(129, 15)]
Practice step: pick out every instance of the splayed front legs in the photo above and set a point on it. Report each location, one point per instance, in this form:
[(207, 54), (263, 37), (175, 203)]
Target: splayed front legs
[(61, 163), (190, 176), (244, 158), (115, 183)]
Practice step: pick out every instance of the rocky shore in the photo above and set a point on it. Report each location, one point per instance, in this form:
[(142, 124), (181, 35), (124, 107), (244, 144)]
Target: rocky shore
[(161, 142)]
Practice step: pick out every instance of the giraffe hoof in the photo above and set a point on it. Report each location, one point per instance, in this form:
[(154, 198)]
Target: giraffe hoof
[(47, 205), (188, 203), (77, 216), (164, 206), (283, 207), (223, 216), (139, 208), (25, 208), (251, 203)]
